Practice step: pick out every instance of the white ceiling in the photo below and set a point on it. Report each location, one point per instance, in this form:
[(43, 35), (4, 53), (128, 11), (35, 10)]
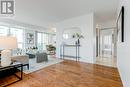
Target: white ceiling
[(42, 12)]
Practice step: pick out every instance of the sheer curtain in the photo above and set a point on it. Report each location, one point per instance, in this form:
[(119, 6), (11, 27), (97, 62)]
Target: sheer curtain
[(19, 34), (16, 32), (4, 31), (44, 39)]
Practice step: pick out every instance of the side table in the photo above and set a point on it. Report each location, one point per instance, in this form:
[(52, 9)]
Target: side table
[(13, 65)]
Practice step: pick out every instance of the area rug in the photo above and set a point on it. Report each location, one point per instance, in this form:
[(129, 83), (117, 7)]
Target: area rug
[(33, 66)]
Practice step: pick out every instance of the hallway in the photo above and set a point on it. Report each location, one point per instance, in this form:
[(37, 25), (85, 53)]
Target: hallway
[(106, 61)]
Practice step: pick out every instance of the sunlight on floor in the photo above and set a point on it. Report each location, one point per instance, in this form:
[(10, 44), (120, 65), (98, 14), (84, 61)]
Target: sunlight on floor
[(106, 61)]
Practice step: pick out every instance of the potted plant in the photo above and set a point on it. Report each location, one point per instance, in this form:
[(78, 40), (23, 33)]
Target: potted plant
[(78, 37), (51, 49), (31, 35)]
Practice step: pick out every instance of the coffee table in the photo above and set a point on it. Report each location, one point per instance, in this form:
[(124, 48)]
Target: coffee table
[(13, 65)]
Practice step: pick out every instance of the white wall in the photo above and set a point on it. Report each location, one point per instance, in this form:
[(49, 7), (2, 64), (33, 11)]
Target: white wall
[(123, 49), (86, 24)]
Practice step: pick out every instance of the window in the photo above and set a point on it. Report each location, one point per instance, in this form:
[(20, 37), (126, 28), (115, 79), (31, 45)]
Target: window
[(44, 39), (53, 39), (4, 31), (107, 41), (39, 41), (19, 34), (16, 32)]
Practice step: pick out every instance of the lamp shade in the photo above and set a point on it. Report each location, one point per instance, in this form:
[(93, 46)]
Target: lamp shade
[(7, 42)]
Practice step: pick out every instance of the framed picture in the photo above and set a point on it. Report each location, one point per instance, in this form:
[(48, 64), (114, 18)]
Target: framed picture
[(30, 35), (120, 25), (30, 41), (30, 38)]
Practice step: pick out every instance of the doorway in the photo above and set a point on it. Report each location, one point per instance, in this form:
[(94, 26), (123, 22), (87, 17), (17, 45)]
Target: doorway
[(106, 47)]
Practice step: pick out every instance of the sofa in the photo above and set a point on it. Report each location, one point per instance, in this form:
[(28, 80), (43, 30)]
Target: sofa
[(24, 59)]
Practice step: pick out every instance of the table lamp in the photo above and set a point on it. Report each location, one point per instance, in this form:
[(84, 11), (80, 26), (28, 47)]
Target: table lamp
[(7, 43)]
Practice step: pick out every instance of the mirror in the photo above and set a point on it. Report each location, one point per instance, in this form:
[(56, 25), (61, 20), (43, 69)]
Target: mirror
[(69, 32)]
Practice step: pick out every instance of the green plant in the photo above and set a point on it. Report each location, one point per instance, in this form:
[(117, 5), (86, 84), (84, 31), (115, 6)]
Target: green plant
[(77, 35), (31, 35), (51, 48)]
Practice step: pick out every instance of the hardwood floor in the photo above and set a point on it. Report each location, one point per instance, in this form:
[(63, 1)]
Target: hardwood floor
[(71, 74)]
